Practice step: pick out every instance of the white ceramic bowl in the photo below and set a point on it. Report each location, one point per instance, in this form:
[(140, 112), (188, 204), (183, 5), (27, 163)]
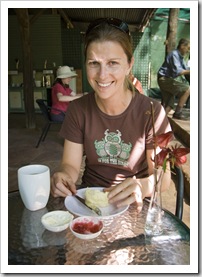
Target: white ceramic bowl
[(57, 221), (86, 227)]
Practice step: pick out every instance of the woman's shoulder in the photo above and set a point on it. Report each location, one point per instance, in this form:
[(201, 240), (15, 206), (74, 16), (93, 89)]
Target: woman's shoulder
[(83, 102), (57, 86), (146, 99), (81, 108), (144, 102), (86, 99)]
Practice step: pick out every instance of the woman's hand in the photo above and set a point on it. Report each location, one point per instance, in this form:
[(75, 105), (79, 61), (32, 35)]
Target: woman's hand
[(126, 193), (62, 185)]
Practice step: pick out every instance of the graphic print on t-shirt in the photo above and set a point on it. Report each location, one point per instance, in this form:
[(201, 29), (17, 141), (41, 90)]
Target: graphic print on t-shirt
[(112, 150)]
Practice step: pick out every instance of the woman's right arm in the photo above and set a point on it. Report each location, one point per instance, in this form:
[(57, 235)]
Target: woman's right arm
[(63, 181)]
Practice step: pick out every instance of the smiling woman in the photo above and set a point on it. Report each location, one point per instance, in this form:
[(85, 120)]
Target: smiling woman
[(107, 70), (112, 125)]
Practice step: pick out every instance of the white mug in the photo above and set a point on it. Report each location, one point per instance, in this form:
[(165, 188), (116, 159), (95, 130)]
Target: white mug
[(34, 186)]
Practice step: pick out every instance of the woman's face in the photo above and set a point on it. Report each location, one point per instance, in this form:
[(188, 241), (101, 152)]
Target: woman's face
[(107, 66), (66, 81)]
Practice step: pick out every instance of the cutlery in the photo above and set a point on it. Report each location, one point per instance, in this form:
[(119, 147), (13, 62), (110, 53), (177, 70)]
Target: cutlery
[(96, 209)]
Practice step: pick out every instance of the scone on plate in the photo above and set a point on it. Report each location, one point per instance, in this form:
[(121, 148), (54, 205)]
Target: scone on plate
[(96, 198)]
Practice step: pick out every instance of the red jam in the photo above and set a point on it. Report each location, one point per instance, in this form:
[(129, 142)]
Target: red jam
[(87, 227)]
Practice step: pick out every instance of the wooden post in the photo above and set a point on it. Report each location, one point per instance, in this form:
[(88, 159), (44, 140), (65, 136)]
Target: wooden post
[(28, 91), (172, 30)]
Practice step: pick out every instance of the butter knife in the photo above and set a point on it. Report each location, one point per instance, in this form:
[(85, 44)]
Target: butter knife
[(96, 209)]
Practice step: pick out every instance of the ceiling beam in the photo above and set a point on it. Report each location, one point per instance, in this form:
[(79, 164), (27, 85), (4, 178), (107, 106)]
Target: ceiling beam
[(66, 18), (37, 15), (146, 19)]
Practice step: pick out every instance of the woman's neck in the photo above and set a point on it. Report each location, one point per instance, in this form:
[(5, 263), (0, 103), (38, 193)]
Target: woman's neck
[(113, 106)]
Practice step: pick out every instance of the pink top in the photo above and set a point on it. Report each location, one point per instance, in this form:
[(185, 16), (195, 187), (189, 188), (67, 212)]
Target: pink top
[(137, 84), (58, 88)]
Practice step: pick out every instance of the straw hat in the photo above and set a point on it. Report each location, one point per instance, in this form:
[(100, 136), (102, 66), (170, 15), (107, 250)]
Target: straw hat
[(65, 72)]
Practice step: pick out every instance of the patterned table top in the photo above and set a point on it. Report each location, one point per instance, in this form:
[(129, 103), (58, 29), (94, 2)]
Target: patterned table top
[(122, 241)]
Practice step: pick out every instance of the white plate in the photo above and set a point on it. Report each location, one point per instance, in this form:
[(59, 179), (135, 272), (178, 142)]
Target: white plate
[(76, 207)]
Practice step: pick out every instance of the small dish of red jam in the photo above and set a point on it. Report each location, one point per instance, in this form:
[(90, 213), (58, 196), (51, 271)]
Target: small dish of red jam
[(86, 227)]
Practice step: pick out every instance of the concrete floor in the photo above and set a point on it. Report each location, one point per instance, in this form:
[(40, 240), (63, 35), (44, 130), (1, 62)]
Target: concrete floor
[(22, 151)]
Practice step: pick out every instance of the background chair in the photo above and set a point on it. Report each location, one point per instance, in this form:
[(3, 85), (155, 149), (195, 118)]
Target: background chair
[(178, 179), (45, 109), (180, 192)]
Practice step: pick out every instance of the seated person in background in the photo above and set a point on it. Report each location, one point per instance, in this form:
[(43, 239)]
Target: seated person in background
[(187, 77), (62, 93), (137, 84), (173, 67)]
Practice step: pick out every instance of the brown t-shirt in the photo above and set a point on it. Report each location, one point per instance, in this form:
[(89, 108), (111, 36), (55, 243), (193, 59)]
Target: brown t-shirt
[(115, 146)]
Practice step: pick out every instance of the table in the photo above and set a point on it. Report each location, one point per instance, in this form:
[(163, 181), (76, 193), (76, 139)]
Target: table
[(122, 241)]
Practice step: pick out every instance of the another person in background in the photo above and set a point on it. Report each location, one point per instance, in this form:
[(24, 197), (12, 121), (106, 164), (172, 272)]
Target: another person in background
[(137, 84), (173, 67), (112, 125), (188, 80), (62, 94)]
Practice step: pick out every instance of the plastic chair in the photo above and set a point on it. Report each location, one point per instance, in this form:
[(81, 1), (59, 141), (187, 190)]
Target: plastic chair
[(180, 192), (45, 109)]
